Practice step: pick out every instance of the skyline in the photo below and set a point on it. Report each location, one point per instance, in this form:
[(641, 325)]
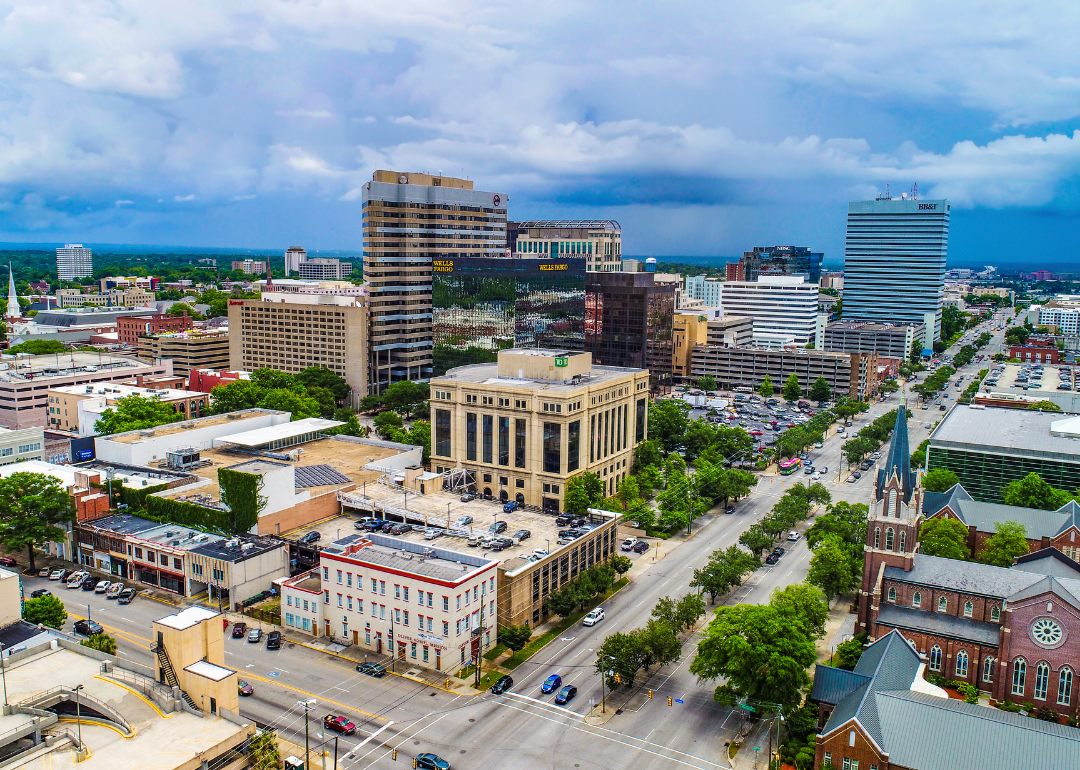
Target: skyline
[(250, 127)]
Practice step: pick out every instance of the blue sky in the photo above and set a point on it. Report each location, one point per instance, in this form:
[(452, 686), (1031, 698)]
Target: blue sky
[(704, 128)]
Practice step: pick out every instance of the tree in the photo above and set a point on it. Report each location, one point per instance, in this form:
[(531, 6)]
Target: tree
[(325, 399), (619, 654), (940, 480), (831, 568), (820, 390), (321, 377), (755, 539), (666, 609), (621, 564), (918, 457), (944, 537), (45, 610), (564, 601), (242, 394), (658, 644), (298, 405), (135, 412), (628, 493), (515, 637), (766, 388), (576, 501), (1032, 492), (385, 422), (706, 382), (846, 521), (760, 653), (101, 643), (804, 605), (724, 570), (668, 422), (690, 608), (34, 510), (404, 395), (38, 347), (263, 752), (792, 388), (1044, 406), (849, 652), (647, 453), (594, 486), (1008, 541)]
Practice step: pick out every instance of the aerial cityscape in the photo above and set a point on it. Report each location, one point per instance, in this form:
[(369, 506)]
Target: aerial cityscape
[(660, 432)]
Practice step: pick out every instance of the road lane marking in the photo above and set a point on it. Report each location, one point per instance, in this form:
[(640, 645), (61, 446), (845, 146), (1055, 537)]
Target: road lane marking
[(350, 754)]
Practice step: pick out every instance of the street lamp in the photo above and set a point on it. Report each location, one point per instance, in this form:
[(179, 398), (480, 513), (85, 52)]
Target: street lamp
[(308, 706), (3, 674), (78, 714), (603, 687), (392, 644)]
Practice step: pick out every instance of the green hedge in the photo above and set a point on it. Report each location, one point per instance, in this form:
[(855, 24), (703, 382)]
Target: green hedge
[(240, 491), (136, 498), (168, 511)]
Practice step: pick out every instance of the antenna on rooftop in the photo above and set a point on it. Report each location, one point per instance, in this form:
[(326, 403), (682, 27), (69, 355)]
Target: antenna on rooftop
[(888, 197), (915, 191)]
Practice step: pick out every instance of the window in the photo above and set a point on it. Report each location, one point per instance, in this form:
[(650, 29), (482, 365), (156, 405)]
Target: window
[(382, 587), (995, 613), (892, 593), (573, 443), (935, 658), (1064, 692), (397, 591), (405, 592), (903, 539), (828, 757), (961, 663), (504, 441), (470, 434), (459, 601), (942, 604), (552, 447), (916, 599), (877, 537), (338, 575), (488, 438), (350, 604), (374, 586), (988, 670), (889, 538), (442, 432), (519, 443), (1042, 681), (446, 604), (445, 628), (340, 600), (1019, 676)]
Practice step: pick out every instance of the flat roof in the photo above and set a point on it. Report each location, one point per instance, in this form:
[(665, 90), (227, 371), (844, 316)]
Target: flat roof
[(68, 364), (137, 436), (488, 374), (192, 616), (209, 670), (268, 435), (1005, 431), (117, 390), (169, 535), (411, 557), (240, 549)]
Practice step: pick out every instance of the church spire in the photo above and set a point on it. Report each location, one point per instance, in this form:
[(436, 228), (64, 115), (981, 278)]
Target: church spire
[(13, 310), (269, 280), (899, 459)]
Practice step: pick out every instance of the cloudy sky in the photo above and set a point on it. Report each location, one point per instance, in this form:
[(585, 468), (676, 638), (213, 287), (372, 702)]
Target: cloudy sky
[(705, 128)]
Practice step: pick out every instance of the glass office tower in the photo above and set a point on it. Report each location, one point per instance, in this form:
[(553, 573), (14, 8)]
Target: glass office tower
[(894, 260), (482, 306)]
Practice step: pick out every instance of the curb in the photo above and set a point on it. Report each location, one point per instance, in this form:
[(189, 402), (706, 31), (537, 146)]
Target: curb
[(355, 662)]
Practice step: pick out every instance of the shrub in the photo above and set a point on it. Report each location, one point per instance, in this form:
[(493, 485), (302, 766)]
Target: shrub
[(936, 679), (1046, 714)]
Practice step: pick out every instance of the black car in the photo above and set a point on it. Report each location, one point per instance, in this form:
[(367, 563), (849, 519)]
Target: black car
[(40, 592), (273, 640), (772, 558), (311, 537), (563, 521), (372, 669), (501, 686), (565, 695), (89, 584), (88, 627), (778, 551), (497, 528), (640, 547), (126, 596), (522, 534), (501, 543), (400, 529), (730, 509), (239, 630)]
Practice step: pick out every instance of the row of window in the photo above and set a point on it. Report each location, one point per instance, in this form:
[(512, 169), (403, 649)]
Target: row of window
[(1042, 681), (848, 763), (943, 604), (424, 598), (555, 247)]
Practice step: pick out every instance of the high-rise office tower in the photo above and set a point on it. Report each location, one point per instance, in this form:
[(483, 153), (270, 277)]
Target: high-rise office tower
[(780, 260), (74, 262), (294, 255), (411, 223), (599, 242), (894, 260)]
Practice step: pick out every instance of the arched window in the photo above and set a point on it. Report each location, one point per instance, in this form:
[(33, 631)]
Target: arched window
[(892, 593), (1042, 681), (520, 498), (892, 503), (1064, 697), (916, 599), (995, 613), (968, 609), (988, 670), (1019, 676), (903, 539), (503, 495), (961, 663), (877, 537), (889, 539), (942, 604), (935, 658)]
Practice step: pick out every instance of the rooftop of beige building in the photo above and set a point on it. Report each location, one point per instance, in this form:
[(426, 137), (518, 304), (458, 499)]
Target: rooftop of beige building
[(237, 418), (538, 369)]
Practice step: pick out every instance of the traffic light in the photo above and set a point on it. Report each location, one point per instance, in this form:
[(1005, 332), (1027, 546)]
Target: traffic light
[(650, 694), (393, 756), (669, 700), (617, 679)]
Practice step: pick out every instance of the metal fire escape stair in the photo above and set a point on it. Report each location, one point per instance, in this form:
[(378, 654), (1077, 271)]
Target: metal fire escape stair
[(170, 673)]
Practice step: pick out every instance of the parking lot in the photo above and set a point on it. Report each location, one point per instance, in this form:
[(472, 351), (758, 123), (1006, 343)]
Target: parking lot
[(1031, 379), (762, 420)]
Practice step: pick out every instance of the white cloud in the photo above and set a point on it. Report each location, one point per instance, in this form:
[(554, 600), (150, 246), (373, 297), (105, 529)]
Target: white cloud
[(244, 197), (124, 203), (183, 198)]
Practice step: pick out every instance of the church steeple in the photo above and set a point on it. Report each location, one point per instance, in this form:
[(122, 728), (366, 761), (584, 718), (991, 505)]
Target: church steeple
[(13, 310), (898, 462), (269, 281)]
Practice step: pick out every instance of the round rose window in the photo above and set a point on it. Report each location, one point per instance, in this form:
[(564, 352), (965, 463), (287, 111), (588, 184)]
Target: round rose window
[(1046, 632)]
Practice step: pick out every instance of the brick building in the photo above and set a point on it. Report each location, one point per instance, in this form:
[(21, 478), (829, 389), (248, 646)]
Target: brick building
[(1039, 354), (130, 328)]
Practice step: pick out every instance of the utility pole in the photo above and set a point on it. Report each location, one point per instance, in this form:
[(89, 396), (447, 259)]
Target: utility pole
[(307, 706), (78, 714), (3, 674)]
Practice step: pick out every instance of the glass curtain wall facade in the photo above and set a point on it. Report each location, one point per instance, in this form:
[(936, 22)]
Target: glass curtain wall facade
[(894, 261), (482, 306), (782, 260)]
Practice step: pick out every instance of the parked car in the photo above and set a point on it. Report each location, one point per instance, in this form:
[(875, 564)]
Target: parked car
[(238, 630), (522, 534), (497, 528), (365, 523), (593, 617), (40, 592), (44, 572), (273, 640), (850, 479), (627, 544), (565, 695), (88, 627), (102, 587), (7, 561), (431, 533), (428, 761), (793, 535), (778, 551), (76, 579), (243, 688), (510, 507), (463, 521), (57, 574), (729, 510), (551, 684), (255, 635), (339, 724), (823, 469), (473, 541), (372, 669), (857, 475), (772, 558), (468, 497), (126, 596), (541, 552), (502, 685), (89, 583), (640, 547), (400, 528), (310, 537)]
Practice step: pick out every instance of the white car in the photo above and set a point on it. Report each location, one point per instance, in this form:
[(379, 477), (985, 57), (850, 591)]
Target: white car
[(114, 590), (628, 543), (56, 573), (593, 617), (102, 587), (793, 536), (76, 579), (541, 552)]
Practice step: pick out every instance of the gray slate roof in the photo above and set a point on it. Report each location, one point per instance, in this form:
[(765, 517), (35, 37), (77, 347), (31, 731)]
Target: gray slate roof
[(1048, 561), (939, 623), (1050, 584), (985, 516), (965, 576), (832, 685)]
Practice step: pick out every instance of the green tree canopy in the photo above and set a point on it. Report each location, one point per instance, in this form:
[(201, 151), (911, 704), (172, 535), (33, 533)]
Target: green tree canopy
[(321, 377), (34, 510), (647, 453), (944, 537), (940, 480), (38, 347), (46, 610), (101, 643), (724, 570), (755, 539), (804, 605), (135, 412), (403, 396), (385, 422), (300, 406), (1044, 406), (1002, 547), (766, 389), (668, 422), (1032, 492), (706, 382), (820, 390), (792, 388), (832, 568), (515, 637)]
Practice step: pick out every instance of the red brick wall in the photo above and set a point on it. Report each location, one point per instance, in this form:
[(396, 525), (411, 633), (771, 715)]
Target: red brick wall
[(322, 507), (1035, 353), (838, 745), (130, 328)]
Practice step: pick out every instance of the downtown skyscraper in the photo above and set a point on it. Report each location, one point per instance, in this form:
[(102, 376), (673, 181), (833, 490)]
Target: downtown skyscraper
[(894, 261)]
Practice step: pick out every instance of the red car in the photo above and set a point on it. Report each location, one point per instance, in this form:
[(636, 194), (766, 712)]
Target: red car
[(756, 433), (7, 561), (338, 724)]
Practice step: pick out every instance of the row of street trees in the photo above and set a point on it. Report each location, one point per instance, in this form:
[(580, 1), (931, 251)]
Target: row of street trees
[(870, 438), (623, 655), (792, 507), (836, 540)]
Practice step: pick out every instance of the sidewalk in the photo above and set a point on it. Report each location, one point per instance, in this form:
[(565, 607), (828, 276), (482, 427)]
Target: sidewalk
[(839, 626)]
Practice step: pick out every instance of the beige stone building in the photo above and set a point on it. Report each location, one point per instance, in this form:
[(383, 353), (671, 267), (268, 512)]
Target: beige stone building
[(599, 242), (191, 349), (75, 408), (290, 331), (690, 329), (525, 425)]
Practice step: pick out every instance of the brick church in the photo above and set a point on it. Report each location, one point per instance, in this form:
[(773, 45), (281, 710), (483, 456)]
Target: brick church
[(1013, 633)]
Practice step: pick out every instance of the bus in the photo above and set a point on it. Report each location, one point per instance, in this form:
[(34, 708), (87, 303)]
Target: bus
[(787, 467)]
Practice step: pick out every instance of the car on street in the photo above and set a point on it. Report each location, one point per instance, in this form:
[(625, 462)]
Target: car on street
[(372, 669), (565, 695), (808, 470), (468, 497), (729, 510), (114, 590), (238, 630), (310, 537), (778, 551), (44, 572), (510, 507), (818, 445), (857, 475), (89, 583), (273, 640), (823, 469), (551, 684), (522, 534), (40, 592), (772, 558), (88, 627), (75, 579), (339, 724), (102, 587), (126, 596), (593, 617), (243, 688), (463, 521), (7, 561), (640, 547), (428, 761), (502, 685), (255, 635), (793, 536), (57, 574), (850, 479), (627, 544)]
